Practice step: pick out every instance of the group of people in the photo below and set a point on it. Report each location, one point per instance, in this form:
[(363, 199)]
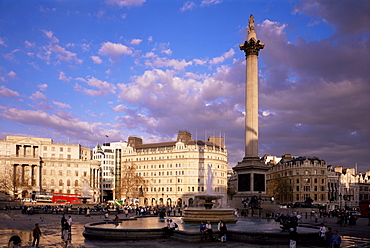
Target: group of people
[(66, 229), (330, 239), (207, 232), (169, 227)]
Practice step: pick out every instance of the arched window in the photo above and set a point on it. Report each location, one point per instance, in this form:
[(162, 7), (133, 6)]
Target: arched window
[(68, 182), (52, 183), (60, 182), (76, 183), (307, 172)]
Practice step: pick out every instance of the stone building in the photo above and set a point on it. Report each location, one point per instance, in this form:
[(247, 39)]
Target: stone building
[(29, 165), (110, 159), (174, 173), (295, 179)]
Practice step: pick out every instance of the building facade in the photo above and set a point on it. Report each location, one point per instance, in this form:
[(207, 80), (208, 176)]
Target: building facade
[(172, 173), (110, 159), (30, 165), (296, 179)]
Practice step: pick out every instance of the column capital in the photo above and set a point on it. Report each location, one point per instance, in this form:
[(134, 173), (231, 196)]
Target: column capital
[(251, 47)]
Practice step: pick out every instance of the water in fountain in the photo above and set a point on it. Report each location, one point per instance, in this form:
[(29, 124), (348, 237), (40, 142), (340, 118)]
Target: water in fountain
[(84, 196), (208, 213)]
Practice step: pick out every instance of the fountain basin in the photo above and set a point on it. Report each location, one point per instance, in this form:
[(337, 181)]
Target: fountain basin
[(195, 216), (257, 231)]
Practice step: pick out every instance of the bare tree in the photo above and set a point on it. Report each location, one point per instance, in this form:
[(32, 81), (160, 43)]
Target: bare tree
[(12, 185), (280, 189), (131, 183)]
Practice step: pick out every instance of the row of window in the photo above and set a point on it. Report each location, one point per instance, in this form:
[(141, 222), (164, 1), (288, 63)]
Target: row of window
[(53, 148), (61, 173), (61, 183)]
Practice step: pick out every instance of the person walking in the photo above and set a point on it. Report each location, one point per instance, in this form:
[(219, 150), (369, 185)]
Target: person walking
[(65, 233), (336, 239), (62, 220), (328, 236), (70, 227), (36, 233)]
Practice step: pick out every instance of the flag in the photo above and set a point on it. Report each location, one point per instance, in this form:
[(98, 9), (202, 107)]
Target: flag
[(100, 150)]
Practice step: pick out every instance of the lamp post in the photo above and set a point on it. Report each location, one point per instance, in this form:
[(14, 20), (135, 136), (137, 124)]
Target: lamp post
[(340, 200)]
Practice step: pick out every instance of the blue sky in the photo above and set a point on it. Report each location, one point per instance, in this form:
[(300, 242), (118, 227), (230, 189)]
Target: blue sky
[(79, 70)]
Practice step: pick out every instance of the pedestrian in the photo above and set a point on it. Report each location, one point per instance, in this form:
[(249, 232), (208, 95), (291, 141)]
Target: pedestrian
[(70, 227), (209, 231), (36, 233), (322, 231), (88, 212), (202, 228), (293, 238), (328, 236), (336, 239), (65, 232), (15, 242), (62, 222), (223, 230)]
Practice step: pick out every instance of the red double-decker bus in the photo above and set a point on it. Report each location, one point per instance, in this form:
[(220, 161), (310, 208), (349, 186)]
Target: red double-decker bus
[(365, 208), (63, 198)]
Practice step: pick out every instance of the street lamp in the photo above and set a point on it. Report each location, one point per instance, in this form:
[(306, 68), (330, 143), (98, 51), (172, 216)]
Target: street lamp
[(340, 200)]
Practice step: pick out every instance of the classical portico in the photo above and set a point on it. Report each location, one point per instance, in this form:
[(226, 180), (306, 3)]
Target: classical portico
[(251, 172)]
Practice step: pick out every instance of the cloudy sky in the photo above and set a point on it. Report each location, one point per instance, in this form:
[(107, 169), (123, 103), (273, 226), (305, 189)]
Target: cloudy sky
[(75, 71)]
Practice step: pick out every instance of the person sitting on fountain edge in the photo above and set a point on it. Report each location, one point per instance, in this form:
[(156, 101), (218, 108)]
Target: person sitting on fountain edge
[(208, 230)]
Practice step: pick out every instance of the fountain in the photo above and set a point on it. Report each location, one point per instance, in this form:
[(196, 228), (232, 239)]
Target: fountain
[(84, 196), (194, 215)]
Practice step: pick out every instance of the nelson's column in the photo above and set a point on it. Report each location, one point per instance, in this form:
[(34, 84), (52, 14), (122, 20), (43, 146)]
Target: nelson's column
[(251, 172)]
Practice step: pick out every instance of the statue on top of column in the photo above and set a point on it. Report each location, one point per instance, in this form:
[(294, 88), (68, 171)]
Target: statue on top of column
[(251, 23)]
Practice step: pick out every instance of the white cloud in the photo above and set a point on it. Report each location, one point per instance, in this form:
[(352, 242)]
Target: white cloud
[(223, 57), (38, 96), (5, 92), (29, 44), (119, 108), (167, 51), (50, 35), (135, 41), (62, 76), (62, 105), (62, 123), (114, 50), (104, 88), (210, 2), (96, 59), (42, 87), (199, 61), (188, 6), (164, 62), (126, 3), (12, 75), (2, 42)]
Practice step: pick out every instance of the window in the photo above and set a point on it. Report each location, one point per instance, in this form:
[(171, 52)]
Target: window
[(76, 173), (61, 149), (60, 173), (52, 183), (76, 183), (60, 182), (68, 182)]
